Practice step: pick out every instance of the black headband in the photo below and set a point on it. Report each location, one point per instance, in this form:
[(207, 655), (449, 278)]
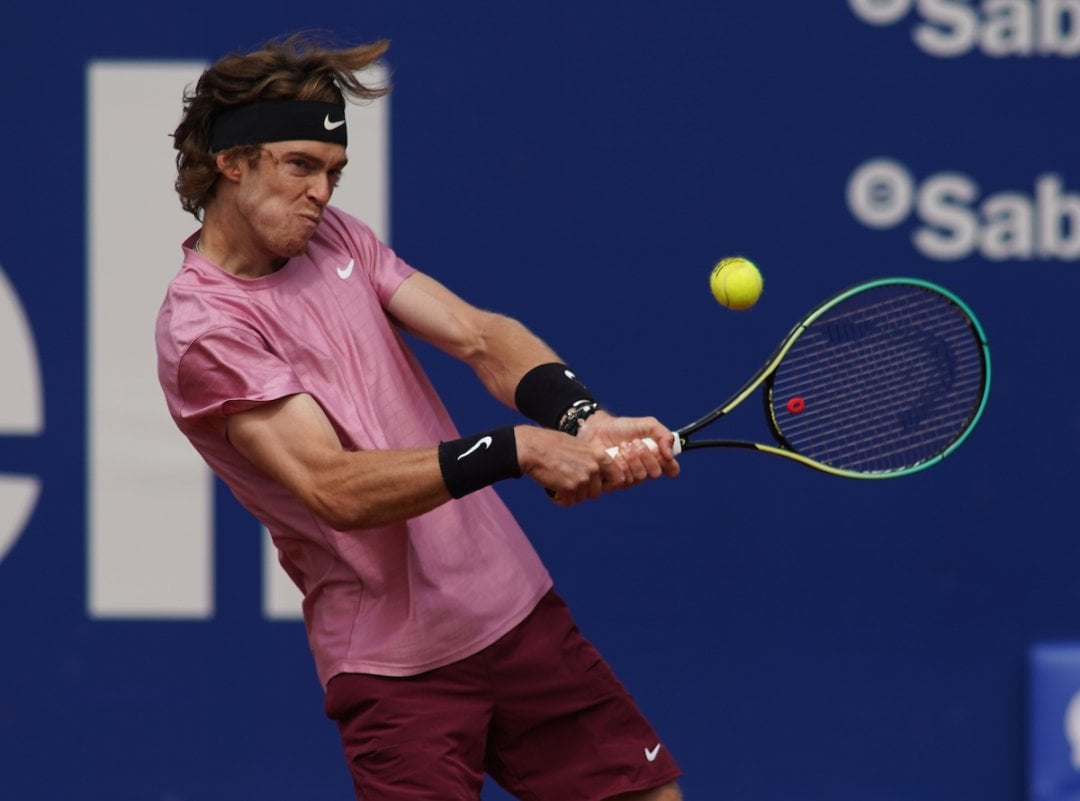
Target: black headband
[(279, 121)]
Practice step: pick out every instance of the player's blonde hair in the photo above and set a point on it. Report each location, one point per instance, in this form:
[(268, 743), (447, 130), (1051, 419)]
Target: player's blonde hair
[(298, 67)]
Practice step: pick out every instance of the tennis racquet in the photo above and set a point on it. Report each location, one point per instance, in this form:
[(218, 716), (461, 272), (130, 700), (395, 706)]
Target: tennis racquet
[(881, 380)]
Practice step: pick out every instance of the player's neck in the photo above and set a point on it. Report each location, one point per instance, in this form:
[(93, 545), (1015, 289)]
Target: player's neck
[(232, 252)]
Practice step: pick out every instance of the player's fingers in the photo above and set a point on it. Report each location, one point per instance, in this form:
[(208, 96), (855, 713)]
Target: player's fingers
[(666, 456), (654, 462), (589, 483), (638, 458), (635, 471), (616, 473), (562, 499)]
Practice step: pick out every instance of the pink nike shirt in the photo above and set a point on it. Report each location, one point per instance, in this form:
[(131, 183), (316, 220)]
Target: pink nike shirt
[(396, 600)]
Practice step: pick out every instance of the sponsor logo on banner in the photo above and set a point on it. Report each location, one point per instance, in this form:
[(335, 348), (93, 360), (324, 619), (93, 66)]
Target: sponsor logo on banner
[(955, 218), (22, 411), (995, 28)]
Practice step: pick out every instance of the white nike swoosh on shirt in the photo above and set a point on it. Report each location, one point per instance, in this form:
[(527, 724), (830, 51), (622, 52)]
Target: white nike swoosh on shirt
[(484, 442), (330, 125), (652, 753), (346, 271)]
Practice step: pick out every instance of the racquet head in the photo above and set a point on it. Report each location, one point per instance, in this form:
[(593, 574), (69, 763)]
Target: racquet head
[(883, 379)]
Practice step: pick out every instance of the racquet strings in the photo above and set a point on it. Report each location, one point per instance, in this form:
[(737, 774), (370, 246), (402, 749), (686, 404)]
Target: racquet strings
[(883, 380)]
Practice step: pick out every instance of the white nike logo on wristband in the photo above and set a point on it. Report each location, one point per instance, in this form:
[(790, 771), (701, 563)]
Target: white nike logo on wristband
[(484, 442)]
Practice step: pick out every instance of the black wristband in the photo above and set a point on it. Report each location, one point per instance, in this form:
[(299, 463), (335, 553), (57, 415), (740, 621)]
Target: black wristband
[(471, 463), (546, 392)]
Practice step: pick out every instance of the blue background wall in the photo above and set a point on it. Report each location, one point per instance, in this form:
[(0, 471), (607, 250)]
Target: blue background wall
[(581, 166)]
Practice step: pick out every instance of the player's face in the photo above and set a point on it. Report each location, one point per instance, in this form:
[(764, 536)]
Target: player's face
[(283, 196)]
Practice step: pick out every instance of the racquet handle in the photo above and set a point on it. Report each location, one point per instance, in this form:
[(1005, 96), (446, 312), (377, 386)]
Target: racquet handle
[(676, 447), (614, 451)]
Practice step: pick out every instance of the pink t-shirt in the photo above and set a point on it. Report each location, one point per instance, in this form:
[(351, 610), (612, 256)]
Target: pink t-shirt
[(396, 600)]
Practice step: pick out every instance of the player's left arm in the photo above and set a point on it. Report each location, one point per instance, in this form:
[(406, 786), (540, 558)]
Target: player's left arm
[(501, 350)]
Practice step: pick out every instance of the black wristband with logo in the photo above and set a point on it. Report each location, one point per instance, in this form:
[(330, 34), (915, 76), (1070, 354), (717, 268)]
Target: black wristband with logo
[(471, 463), (545, 393)]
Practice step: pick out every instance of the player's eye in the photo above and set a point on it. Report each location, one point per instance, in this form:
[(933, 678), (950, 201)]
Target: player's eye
[(299, 167)]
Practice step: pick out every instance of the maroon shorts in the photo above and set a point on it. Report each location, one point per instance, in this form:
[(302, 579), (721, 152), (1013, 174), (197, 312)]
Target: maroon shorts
[(539, 710)]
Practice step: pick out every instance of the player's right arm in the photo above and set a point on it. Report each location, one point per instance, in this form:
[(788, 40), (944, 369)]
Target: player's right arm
[(292, 441)]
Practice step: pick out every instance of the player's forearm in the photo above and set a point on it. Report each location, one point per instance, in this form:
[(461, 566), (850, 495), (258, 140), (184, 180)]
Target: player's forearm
[(372, 488), (368, 489), (505, 351)]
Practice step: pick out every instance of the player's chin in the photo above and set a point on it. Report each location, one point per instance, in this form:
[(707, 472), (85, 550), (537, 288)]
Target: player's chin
[(294, 246)]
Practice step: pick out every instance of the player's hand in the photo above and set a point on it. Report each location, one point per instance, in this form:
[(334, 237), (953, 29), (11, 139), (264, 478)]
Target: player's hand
[(571, 469), (635, 460)]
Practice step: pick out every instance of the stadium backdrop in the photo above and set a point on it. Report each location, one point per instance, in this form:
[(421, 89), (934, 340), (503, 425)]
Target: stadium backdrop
[(580, 166)]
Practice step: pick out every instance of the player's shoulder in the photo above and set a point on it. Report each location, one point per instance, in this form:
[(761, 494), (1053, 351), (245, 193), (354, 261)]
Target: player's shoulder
[(343, 238), (199, 299), (340, 222), (196, 283)]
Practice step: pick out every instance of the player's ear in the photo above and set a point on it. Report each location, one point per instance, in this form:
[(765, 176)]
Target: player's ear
[(228, 165)]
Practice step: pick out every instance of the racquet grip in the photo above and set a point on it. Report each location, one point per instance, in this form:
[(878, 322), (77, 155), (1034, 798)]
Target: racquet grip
[(676, 447)]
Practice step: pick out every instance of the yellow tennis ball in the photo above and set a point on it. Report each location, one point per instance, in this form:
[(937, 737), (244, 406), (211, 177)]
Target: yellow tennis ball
[(736, 283)]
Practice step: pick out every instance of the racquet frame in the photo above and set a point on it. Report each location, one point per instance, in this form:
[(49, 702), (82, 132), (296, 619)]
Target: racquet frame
[(769, 368)]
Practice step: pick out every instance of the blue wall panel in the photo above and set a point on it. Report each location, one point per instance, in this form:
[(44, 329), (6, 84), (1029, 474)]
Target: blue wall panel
[(581, 166)]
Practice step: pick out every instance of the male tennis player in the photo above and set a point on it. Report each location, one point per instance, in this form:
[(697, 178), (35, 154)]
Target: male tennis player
[(442, 648)]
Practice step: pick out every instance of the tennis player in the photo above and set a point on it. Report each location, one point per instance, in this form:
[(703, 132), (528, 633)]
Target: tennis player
[(443, 650)]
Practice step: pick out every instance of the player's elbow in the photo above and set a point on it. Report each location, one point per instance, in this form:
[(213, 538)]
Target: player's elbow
[(340, 510), (342, 513), (477, 340)]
